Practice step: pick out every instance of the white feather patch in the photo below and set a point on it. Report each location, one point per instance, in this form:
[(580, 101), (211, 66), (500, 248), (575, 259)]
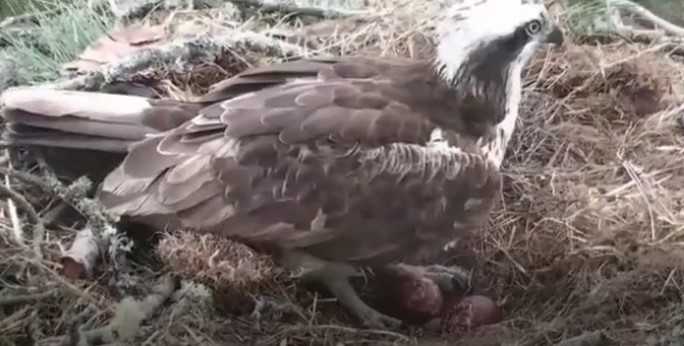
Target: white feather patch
[(403, 159), (468, 24), (437, 140)]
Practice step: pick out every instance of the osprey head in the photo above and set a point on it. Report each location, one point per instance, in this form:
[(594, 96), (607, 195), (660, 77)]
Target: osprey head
[(505, 31)]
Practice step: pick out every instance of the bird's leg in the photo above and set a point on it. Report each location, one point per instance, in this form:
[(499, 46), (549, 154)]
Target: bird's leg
[(337, 281), (450, 279), (335, 277)]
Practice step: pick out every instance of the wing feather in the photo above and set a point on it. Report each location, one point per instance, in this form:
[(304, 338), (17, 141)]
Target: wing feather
[(340, 168)]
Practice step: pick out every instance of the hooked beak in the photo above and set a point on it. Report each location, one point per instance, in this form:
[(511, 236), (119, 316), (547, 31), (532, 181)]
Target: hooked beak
[(555, 36)]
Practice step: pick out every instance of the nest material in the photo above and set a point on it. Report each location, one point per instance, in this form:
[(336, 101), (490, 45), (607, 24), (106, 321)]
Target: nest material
[(214, 261), (592, 201)]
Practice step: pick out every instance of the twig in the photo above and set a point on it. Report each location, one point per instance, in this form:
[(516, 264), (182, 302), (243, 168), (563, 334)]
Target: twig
[(326, 13), (26, 298), (350, 330), (178, 52), (15, 319), (596, 338), (86, 248), (643, 12), (38, 227), (14, 216), (98, 233), (73, 194), (675, 45), (133, 9), (129, 315), (82, 255)]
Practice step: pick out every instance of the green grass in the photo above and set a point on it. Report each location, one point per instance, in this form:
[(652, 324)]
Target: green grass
[(37, 56), (16, 7), (10, 8), (587, 16)]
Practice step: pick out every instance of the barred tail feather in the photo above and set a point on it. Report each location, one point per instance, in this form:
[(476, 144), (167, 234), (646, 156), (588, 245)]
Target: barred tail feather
[(86, 120)]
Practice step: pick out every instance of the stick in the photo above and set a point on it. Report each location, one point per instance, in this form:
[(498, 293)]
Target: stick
[(180, 51), (14, 216), (643, 12), (26, 298), (86, 248), (84, 251), (596, 338), (73, 194), (325, 13), (674, 45), (38, 227)]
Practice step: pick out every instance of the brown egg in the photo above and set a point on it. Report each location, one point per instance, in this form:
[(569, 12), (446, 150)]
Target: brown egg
[(407, 296), (469, 313)]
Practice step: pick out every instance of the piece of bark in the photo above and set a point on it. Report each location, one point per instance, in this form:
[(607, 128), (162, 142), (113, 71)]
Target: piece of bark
[(80, 259)]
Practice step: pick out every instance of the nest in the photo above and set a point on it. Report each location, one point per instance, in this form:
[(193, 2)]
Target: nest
[(586, 237)]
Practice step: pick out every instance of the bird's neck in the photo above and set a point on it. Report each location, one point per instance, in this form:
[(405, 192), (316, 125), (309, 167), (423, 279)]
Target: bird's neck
[(487, 86), (495, 148)]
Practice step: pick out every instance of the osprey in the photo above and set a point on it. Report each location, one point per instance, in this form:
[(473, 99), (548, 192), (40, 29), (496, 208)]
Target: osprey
[(327, 164)]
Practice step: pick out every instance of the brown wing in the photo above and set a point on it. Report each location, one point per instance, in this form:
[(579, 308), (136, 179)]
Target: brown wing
[(263, 77), (336, 165), (111, 121)]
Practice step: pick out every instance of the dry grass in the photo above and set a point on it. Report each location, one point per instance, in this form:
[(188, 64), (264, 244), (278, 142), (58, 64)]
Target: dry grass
[(588, 236)]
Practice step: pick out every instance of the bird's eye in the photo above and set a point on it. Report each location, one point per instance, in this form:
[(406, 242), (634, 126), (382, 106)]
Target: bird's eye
[(533, 27)]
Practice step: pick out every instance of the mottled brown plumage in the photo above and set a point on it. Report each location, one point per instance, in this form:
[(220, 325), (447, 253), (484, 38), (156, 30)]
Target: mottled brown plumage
[(322, 157), (326, 164)]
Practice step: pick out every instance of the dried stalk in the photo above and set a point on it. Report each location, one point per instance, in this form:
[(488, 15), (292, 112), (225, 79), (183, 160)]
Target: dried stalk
[(26, 298), (38, 226), (181, 51), (673, 45), (324, 13), (81, 257), (596, 338), (14, 216), (644, 13)]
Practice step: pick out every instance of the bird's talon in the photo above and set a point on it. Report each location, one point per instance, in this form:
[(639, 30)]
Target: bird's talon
[(379, 321)]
